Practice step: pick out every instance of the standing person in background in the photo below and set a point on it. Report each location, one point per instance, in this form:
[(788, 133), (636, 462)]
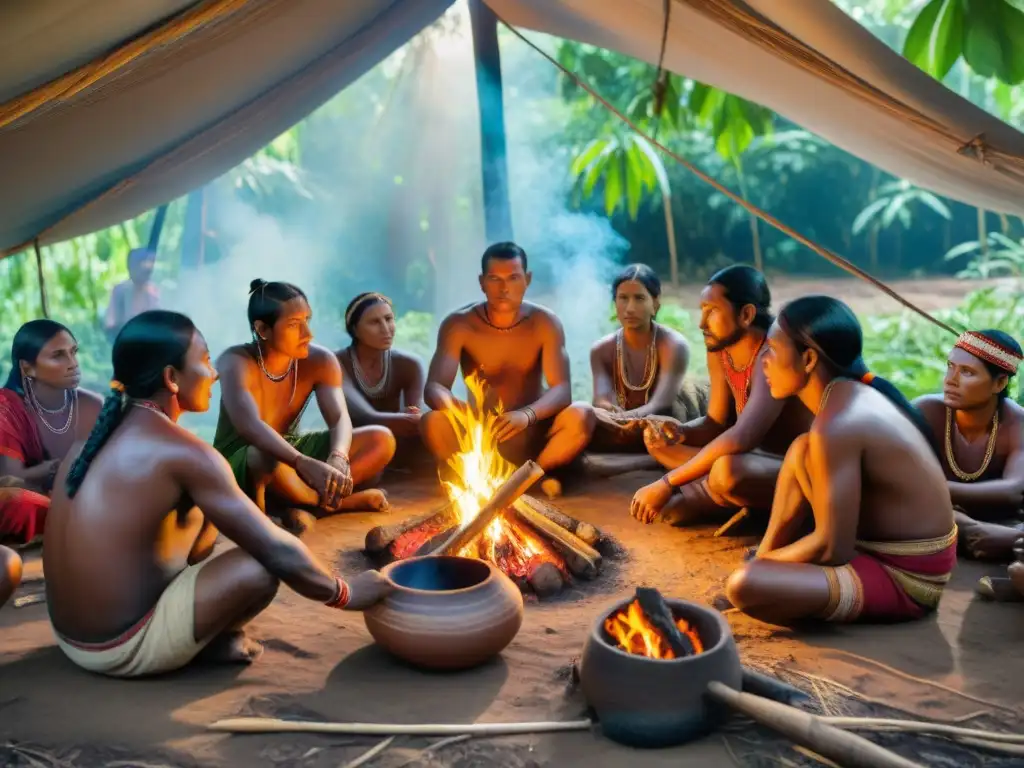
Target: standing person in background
[(135, 295), (383, 386)]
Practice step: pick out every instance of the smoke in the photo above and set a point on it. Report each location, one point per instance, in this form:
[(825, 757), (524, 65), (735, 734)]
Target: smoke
[(397, 205)]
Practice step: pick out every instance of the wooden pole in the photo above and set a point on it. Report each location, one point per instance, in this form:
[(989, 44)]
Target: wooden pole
[(560, 535), (518, 483), (493, 144), (273, 725), (44, 305)]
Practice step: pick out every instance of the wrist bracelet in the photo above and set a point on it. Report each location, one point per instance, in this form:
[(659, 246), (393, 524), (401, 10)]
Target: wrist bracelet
[(666, 481), (340, 599), (531, 415), (339, 454)]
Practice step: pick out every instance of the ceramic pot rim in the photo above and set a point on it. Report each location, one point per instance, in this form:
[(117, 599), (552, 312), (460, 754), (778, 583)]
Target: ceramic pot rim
[(724, 631), (387, 569)]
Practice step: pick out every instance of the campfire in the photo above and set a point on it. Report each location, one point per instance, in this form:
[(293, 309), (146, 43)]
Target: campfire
[(489, 516), (646, 627)]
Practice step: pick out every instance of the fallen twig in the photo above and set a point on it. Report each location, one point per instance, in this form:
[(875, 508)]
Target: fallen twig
[(916, 726), (369, 754), (434, 748), (275, 725)]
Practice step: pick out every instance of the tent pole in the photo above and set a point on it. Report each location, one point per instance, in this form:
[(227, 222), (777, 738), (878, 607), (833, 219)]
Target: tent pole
[(44, 305), (493, 145)]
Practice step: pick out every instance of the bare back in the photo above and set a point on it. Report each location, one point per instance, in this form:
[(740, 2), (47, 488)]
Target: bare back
[(110, 552), (865, 453)]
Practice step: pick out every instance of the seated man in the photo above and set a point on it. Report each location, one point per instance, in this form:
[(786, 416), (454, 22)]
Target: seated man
[(512, 346), (10, 573), (883, 543), (265, 387), (731, 457), (637, 371), (132, 586), (982, 430)]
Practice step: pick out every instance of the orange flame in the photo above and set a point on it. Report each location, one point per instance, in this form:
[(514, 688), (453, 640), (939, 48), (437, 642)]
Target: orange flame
[(634, 634), (480, 470)]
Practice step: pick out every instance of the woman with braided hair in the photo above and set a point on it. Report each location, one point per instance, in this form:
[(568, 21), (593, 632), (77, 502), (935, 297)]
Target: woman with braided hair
[(42, 412), (383, 386), (882, 543), (132, 585)]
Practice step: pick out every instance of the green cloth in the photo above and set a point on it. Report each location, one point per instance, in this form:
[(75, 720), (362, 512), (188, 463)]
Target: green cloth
[(231, 445)]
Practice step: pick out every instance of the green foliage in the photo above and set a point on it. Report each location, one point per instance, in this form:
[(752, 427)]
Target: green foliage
[(629, 167), (989, 34), (414, 333), (1006, 259), (895, 203)]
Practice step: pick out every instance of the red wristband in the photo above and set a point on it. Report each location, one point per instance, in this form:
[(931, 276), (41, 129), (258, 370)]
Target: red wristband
[(340, 600)]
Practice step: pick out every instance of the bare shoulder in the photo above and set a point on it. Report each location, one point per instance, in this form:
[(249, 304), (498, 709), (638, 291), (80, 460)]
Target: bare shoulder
[(90, 402), (543, 319), (321, 363), (671, 340), (1011, 413), (405, 360), (458, 321), (930, 405), (603, 346), (234, 358)]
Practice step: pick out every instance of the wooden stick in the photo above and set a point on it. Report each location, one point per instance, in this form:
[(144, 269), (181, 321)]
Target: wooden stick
[(658, 613), (915, 726), (807, 730), (583, 531), (516, 485), (276, 725), (770, 687), (378, 539), (736, 519), (560, 535), (369, 754)]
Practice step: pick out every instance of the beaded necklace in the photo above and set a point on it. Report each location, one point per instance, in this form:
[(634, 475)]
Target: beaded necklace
[(990, 448), (622, 383)]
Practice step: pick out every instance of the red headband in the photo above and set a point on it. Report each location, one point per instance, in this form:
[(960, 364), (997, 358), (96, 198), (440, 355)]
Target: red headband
[(986, 349)]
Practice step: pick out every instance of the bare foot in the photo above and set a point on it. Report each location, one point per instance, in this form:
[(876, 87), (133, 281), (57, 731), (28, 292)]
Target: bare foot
[(551, 487), (987, 541), (1016, 575), (297, 521), (999, 589), (232, 648), (372, 499)]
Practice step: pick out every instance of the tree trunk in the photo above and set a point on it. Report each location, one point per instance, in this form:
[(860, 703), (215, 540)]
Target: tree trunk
[(670, 233), (755, 233), (873, 249), (982, 232)]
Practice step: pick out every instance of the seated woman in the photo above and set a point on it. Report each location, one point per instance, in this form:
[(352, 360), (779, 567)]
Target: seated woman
[(265, 388), (132, 585), (383, 386), (42, 413), (883, 543), (982, 429), (637, 372), (10, 573)]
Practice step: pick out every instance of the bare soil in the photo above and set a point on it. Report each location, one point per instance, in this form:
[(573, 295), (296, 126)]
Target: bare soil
[(323, 665), (966, 662)]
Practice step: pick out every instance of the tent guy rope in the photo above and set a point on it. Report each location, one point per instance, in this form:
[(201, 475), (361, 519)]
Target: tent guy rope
[(822, 251)]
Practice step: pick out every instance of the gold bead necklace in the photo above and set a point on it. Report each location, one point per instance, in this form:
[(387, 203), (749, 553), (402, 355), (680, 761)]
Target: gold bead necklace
[(990, 449)]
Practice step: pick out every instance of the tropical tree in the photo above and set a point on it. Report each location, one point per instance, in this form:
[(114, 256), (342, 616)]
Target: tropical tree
[(895, 204)]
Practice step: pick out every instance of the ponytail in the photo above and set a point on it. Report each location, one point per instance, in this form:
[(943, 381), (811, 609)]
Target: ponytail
[(108, 420)]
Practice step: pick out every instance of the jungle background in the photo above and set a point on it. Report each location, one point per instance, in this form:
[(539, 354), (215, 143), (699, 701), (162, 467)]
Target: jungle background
[(380, 189)]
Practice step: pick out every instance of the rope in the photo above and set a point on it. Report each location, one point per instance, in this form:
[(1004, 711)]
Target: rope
[(825, 253)]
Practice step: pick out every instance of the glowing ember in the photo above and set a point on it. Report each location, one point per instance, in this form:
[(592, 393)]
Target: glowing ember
[(634, 634), (480, 470)]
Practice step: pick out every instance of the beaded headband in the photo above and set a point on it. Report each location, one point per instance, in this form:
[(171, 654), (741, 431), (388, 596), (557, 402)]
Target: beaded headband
[(986, 349), (370, 297)]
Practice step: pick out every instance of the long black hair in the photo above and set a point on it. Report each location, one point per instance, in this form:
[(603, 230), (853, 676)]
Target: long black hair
[(829, 327), (1007, 342), (642, 274), (28, 343), (266, 300), (146, 345), (744, 285)]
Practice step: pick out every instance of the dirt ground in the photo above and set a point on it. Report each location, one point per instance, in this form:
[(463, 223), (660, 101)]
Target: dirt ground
[(323, 665), (965, 664)]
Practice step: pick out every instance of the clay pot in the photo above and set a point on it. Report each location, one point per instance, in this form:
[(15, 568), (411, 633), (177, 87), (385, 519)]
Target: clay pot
[(646, 702), (446, 612)]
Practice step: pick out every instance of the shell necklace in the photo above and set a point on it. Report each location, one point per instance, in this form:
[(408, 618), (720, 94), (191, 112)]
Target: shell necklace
[(990, 449), (483, 314), (622, 382), (293, 367), (70, 398), (379, 389)]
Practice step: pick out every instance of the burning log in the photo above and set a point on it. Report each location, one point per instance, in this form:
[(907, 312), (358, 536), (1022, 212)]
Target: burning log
[(381, 537), (583, 531), (582, 559), (514, 487), (660, 615), (435, 541)]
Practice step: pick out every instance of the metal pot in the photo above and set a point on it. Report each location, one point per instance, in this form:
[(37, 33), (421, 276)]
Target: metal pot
[(646, 702), (446, 612)]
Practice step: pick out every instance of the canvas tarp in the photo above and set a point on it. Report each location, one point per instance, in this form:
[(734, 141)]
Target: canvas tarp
[(187, 100)]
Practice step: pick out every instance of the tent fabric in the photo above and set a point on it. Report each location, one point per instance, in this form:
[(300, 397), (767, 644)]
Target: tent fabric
[(181, 113)]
